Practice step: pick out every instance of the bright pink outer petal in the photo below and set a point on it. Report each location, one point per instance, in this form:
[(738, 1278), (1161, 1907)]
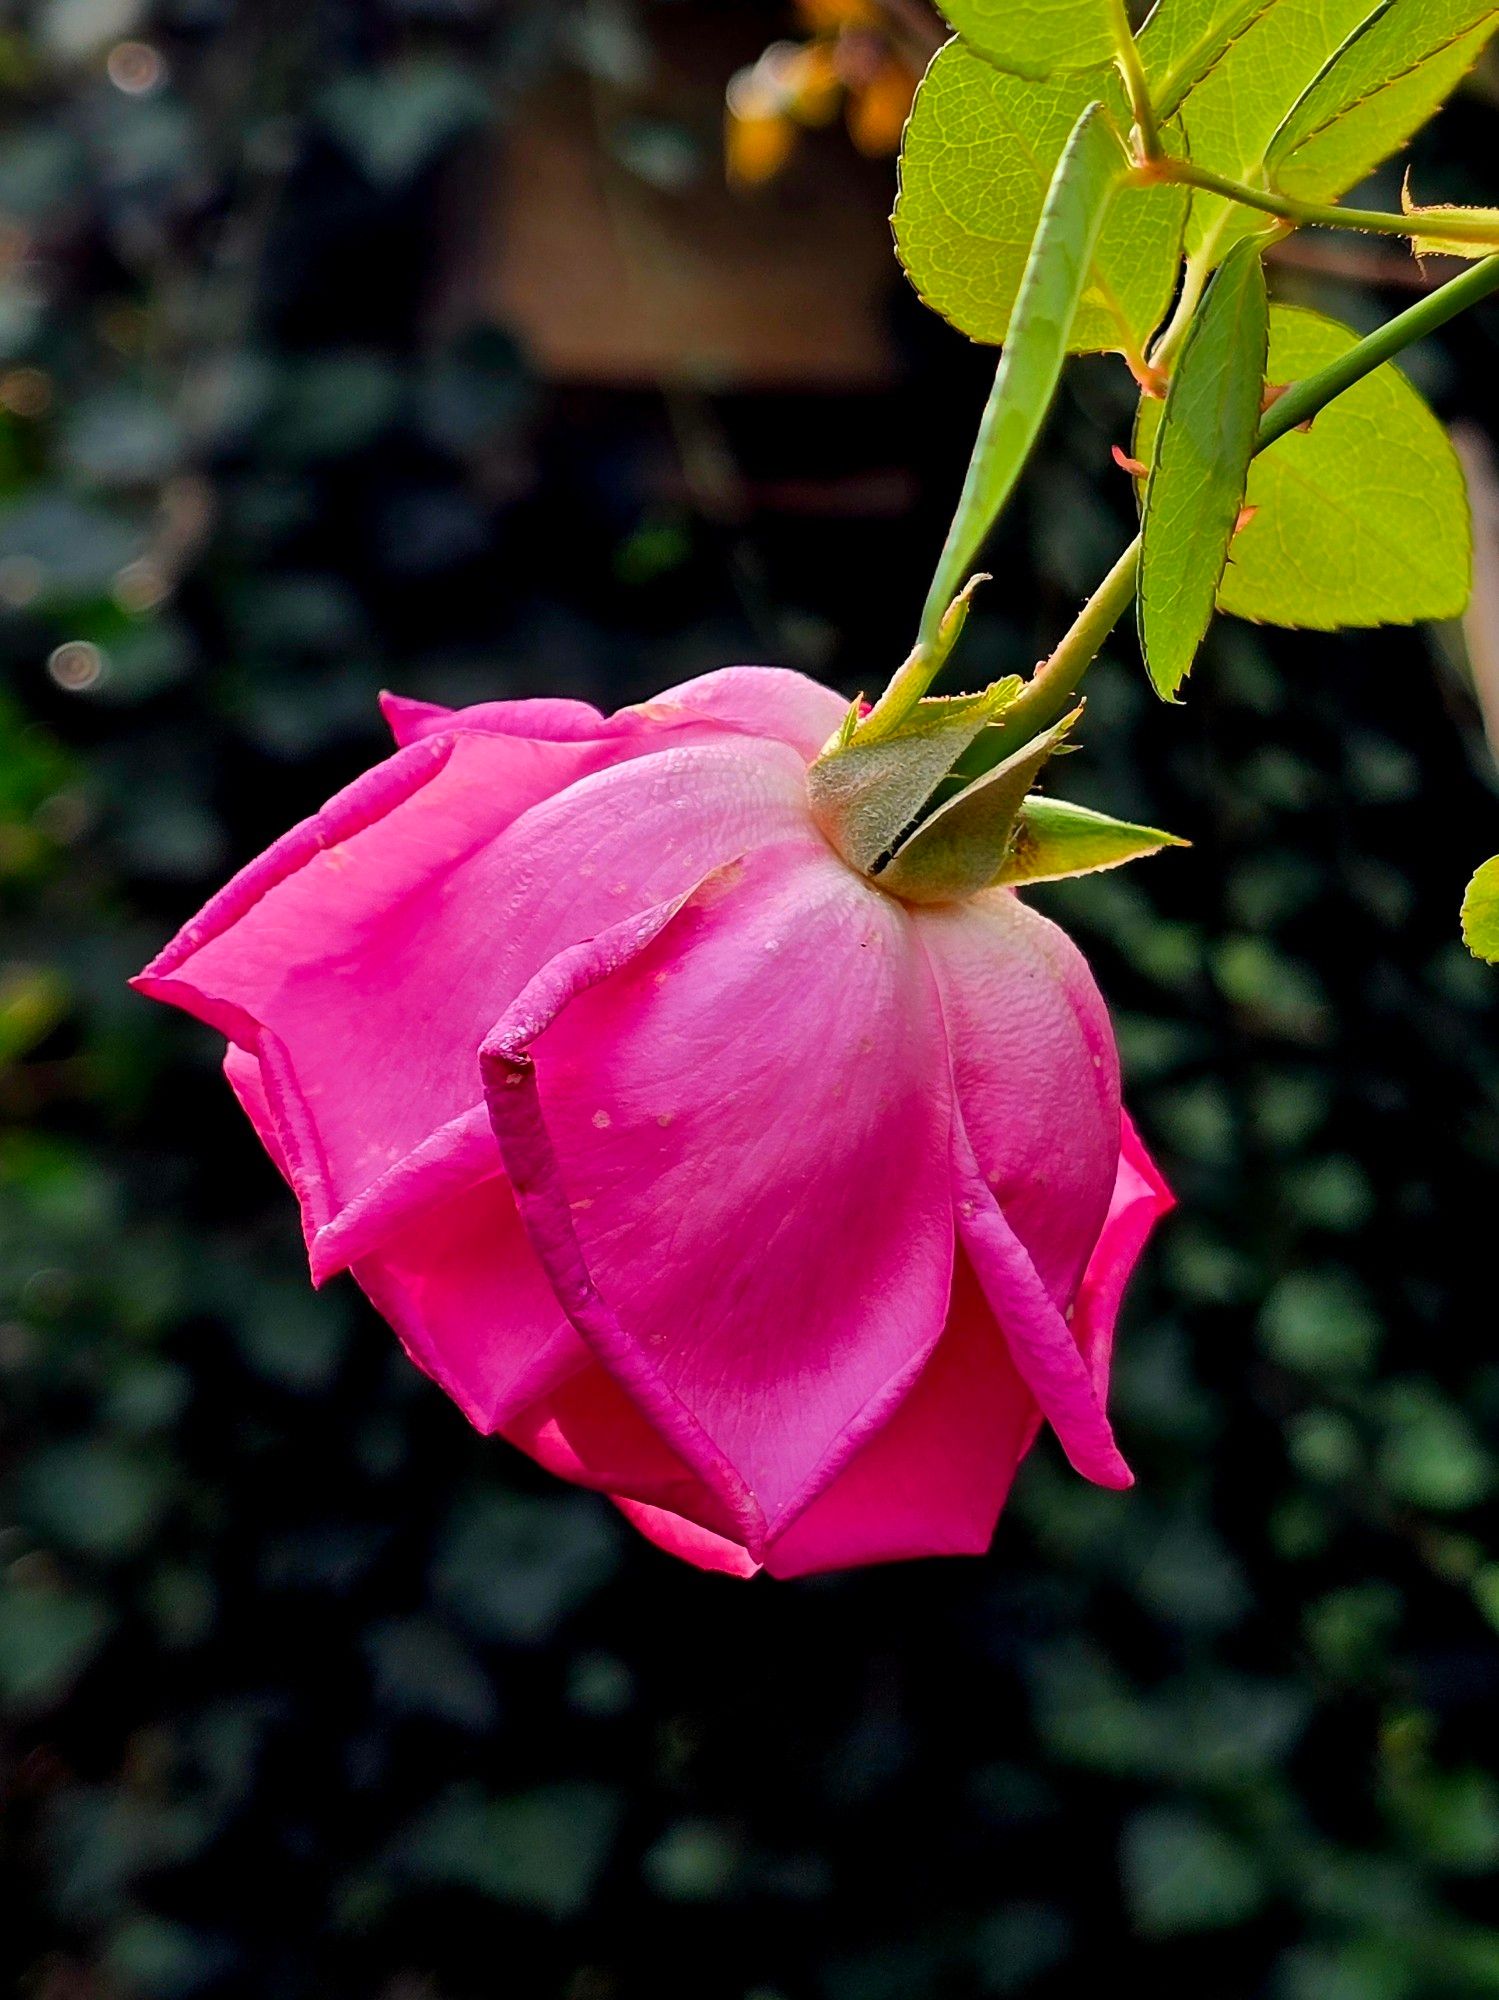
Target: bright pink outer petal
[(754, 701), (730, 1156), (932, 1482), (698, 1546), (587, 1429), (460, 1284), (1036, 1074), (1141, 1198), (1041, 1342), (363, 959)]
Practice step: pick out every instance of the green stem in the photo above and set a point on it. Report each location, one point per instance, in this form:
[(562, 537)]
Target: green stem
[(1127, 57), (1435, 224), (1050, 690)]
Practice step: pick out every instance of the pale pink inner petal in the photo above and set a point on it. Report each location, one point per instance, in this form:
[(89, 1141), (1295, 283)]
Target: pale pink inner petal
[(932, 1482), (546, 720), (764, 701), (755, 701), (1036, 1074), (748, 1196)]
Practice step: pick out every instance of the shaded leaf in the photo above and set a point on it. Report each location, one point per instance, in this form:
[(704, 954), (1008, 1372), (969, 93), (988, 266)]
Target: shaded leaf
[(865, 792), (1054, 839), (1363, 519), (1481, 912), (1380, 86), (1182, 1873), (1203, 445), (541, 1850), (961, 848), (1032, 38), (979, 154)]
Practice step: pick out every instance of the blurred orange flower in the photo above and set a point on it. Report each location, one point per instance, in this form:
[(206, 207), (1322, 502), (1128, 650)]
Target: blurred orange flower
[(848, 62)]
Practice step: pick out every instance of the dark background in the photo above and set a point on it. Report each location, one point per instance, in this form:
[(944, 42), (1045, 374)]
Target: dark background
[(310, 1690)]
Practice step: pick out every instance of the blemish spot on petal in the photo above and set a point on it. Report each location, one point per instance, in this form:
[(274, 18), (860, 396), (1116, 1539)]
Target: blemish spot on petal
[(665, 1118), (602, 1120), (586, 1202)]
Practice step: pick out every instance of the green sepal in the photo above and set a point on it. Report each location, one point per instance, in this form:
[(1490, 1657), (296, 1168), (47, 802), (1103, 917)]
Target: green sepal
[(867, 790), (961, 847), (1054, 839), (1481, 913)]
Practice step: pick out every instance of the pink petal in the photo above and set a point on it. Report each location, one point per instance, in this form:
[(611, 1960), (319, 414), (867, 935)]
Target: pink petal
[(770, 702), (363, 959), (730, 1156), (459, 1283), (698, 1546), (1141, 1198), (761, 701), (543, 720), (1041, 1342), (586, 1429), (1036, 1074), (932, 1482)]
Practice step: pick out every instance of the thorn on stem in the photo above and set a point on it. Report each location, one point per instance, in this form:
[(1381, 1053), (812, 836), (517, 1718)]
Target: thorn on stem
[(1273, 393)]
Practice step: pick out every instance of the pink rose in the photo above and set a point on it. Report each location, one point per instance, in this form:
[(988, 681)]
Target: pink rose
[(674, 1150)]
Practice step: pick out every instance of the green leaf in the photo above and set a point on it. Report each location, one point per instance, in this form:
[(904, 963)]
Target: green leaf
[(1384, 82), (1481, 913), (1203, 446), (1363, 519), (1056, 271), (979, 154), (1185, 39), (1031, 38), (1234, 112), (962, 847), (1054, 839)]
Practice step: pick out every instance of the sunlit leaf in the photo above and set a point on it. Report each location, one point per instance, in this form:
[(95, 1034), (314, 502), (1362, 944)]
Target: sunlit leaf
[(1031, 38), (1054, 839), (979, 154), (1233, 113), (1363, 519), (1203, 446), (1380, 86), (1481, 912), (1051, 288), (1185, 39)]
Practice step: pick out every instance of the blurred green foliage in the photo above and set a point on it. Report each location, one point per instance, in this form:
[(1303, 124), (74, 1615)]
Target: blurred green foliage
[(309, 1691)]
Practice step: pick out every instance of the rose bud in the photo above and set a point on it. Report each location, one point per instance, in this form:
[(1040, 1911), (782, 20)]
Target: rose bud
[(778, 1205)]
